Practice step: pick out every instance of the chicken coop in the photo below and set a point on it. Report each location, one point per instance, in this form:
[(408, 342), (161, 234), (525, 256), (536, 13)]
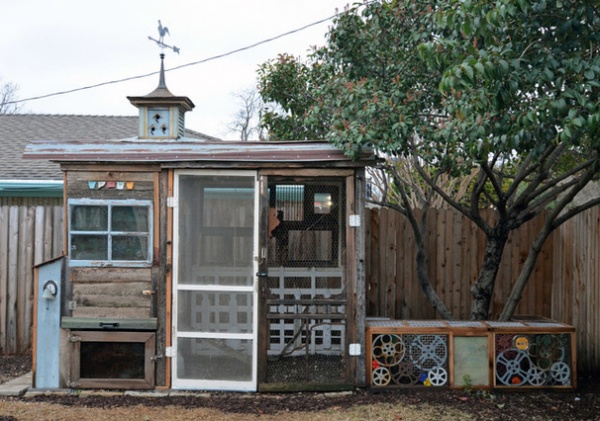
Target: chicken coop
[(198, 264)]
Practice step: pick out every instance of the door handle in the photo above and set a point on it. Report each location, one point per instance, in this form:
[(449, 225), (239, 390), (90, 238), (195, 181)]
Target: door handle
[(262, 274)]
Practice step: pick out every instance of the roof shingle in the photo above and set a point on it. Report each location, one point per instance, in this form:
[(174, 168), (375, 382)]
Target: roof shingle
[(18, 130)]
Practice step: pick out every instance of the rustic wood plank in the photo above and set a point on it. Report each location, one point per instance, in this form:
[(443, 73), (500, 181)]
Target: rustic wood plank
[(373, 266), (85, 168), (358, 205), (110, 295), (27, 237), (390, 252), (126, 313), (13, 276), (307, 172), (442, 263), (169, 275), (117, 275), (4, 220), (76, 323), (383, 275), (39, 235), (401, 270), (368, 265), (141, 191)]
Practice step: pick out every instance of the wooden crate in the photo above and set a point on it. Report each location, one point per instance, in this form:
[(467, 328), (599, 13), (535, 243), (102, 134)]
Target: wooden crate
[(515, 354)]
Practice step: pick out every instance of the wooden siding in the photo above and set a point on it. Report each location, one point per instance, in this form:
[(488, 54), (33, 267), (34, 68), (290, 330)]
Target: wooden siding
[(112, 292), (29, 235), (78, 187)]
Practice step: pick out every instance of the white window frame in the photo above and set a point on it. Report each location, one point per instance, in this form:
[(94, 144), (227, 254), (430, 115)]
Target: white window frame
[(110, 203)]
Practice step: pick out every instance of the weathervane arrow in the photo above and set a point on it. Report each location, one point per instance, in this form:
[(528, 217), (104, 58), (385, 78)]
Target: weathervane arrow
[(162, 31)]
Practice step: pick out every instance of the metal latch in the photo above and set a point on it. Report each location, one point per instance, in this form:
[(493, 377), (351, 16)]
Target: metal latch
[(156, 358)]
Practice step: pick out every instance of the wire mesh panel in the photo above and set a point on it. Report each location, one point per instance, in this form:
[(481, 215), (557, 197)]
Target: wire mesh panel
[(306, 303)]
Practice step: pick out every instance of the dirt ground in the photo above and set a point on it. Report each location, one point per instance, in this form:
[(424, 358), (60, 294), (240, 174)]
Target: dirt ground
[(392, 404)]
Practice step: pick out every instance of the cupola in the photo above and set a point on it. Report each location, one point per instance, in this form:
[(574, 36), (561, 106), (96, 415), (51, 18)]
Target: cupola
[(162, 114)]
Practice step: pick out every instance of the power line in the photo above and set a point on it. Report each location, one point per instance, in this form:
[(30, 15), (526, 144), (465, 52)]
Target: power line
[(194, 63)]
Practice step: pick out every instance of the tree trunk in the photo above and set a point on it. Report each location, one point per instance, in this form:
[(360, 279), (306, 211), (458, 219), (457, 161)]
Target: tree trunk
[(433, 297), (483, 289), (419, 230)]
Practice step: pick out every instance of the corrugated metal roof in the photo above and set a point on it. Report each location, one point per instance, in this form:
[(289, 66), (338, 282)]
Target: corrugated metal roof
[(186, 150), (28, 188)]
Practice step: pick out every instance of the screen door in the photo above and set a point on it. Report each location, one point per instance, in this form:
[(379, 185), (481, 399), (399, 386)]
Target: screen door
[(214, 278)]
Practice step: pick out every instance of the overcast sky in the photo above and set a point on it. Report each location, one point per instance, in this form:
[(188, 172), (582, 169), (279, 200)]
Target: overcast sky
[(50, 46)]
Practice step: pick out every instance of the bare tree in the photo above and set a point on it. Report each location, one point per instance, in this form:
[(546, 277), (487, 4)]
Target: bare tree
[(246, 120), (8, 96)]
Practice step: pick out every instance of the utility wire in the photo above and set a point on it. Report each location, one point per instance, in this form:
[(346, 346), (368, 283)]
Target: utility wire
[(194, 63)]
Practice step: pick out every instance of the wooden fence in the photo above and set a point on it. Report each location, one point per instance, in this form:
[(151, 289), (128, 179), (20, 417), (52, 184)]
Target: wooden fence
[(576, 284), (565, 285), (29, 234)]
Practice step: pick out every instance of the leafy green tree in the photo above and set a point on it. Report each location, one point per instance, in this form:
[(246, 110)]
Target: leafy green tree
[(503, 90)]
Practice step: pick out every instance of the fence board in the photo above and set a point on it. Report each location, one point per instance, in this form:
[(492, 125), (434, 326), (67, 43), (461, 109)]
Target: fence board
[(12, 290), (4, 218)]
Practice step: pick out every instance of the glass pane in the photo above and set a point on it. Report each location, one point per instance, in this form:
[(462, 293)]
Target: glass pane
[(216, 229), (214, 359), (202, 311), (89, 218), (89, 247), (323, 203), (132, 247), (112, 360), (130, 218)]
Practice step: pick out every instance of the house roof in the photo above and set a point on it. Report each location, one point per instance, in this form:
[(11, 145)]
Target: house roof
[(18, 130)]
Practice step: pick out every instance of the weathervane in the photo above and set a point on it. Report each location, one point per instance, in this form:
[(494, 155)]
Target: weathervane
[(162, 31)]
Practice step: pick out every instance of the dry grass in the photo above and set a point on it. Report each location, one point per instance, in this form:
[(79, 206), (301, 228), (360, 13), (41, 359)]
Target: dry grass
[(28, 410)]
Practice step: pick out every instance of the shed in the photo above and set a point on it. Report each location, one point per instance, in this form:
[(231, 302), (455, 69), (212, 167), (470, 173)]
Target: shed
[(209, 265)]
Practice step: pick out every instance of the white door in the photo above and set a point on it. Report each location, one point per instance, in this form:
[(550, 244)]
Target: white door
[(214, 278)]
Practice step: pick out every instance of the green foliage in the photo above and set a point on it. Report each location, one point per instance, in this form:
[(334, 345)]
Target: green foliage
[(506, 90), (287, 86), (460, 79), (518, 75)]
